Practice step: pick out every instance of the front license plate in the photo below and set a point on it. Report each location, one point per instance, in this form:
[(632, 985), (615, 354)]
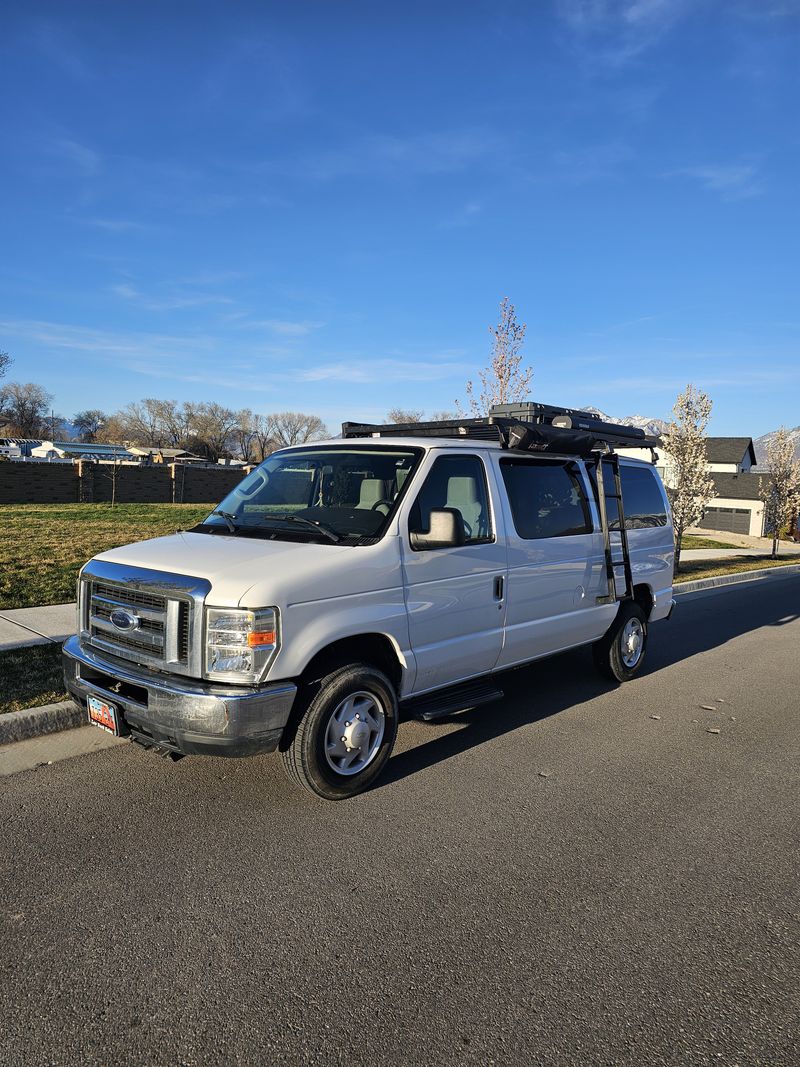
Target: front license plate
[(103, 715)]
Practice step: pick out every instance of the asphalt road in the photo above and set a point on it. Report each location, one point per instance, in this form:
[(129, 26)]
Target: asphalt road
[(636, 905)]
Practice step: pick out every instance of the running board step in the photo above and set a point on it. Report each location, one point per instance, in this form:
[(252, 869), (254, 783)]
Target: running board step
[(446, 702)]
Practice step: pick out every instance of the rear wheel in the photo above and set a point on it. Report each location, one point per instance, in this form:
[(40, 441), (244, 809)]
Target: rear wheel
[(620, 653), (346, 733)]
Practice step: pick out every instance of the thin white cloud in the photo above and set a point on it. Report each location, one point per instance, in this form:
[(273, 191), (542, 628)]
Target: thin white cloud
[(369, 371), (736, 181), (393, 155), (593, 163), (284, 327), (465, 216), (128, 292), (78, 156), (615, 32), (60, 47), (115, 225), (171, 301), (201, 358)]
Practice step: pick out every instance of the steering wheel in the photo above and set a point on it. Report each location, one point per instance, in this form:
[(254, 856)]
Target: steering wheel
[(382, 503)]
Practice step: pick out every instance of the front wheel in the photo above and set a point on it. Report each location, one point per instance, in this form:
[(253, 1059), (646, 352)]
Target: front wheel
[(620, 653), (346, 734)]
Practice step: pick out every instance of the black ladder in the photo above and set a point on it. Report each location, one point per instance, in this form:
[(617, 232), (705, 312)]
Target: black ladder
[(611, 564)]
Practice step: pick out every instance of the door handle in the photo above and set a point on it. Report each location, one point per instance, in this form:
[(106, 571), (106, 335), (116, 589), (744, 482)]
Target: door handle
[(499, 586)]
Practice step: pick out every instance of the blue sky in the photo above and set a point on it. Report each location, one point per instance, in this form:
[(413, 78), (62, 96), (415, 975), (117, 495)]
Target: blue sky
[(319, 206)]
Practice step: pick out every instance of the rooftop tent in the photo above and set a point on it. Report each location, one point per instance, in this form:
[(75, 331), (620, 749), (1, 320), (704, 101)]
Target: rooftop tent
[(527, 427)]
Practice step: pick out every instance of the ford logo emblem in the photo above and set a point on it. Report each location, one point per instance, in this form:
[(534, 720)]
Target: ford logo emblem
[(124, 620)]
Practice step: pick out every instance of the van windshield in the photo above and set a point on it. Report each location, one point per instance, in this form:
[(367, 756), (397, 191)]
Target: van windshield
[(345, 494)]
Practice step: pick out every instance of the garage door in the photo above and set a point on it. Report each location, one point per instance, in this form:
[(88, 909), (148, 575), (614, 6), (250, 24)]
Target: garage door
[(734, 520)]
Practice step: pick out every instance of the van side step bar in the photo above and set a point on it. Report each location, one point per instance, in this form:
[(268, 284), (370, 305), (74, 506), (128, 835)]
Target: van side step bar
[(455, 698)]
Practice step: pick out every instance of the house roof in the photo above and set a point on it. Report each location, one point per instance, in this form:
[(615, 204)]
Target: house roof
[(729, 449), (737, 486), (167, 453), (85, 450)]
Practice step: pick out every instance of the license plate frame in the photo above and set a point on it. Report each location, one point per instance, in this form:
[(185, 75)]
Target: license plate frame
[(104, 715)]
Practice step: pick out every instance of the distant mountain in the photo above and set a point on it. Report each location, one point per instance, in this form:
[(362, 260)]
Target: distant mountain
[(652, 427), (761, 443)]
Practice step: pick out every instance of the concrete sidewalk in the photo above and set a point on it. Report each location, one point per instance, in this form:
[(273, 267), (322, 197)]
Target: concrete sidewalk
[(23, 627)]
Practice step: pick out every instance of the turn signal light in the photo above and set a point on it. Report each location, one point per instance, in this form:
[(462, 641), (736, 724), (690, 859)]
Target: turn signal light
[(258, 640)]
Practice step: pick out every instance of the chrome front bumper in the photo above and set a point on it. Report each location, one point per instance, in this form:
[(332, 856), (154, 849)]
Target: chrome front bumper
[(178, 714)]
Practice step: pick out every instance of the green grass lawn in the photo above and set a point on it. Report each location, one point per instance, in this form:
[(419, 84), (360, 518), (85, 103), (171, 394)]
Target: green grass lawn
[(693, 541), (43, 546), (711, 568), (30, 677)]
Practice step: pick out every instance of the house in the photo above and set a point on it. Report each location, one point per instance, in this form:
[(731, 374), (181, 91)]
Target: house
[(80, 450), (730, 455), (18, 447), (737, 506)]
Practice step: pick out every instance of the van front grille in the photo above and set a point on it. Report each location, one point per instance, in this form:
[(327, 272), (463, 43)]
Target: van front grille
[(150, 628)]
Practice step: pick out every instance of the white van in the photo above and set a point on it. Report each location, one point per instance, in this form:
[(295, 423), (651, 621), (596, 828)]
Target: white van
[(393, 570)]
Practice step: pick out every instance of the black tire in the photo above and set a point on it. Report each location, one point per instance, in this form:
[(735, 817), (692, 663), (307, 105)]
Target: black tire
[(304, 757), (613, 650)]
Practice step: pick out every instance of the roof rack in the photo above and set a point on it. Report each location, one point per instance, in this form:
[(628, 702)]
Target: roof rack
[(526, 427)]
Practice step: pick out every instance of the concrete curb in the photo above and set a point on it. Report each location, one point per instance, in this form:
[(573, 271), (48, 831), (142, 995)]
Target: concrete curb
[(34, 722), (734, 579)]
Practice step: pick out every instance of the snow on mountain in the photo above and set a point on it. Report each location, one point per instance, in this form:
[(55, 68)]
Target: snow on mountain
[(652, 427), (761, 443)]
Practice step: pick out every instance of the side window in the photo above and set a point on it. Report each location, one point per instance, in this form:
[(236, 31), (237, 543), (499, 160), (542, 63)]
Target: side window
[(547, 498), (641, 497), (456, 482)]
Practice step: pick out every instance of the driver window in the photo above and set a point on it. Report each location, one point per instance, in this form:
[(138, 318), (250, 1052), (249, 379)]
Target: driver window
[(456, 482)]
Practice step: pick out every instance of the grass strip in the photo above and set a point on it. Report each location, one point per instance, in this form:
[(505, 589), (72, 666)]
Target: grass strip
[(693, 541), (43, 546), (30, 677), (713, 568)]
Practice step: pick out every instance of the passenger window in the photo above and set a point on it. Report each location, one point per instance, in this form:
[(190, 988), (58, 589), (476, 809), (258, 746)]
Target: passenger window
[(641, 497), (455, 482), (547, 499)]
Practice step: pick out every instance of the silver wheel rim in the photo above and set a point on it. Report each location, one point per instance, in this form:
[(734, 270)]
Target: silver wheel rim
[(354, 734), (631, 642)]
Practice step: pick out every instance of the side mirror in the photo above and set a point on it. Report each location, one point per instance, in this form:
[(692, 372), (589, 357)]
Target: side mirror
[(446, 530)]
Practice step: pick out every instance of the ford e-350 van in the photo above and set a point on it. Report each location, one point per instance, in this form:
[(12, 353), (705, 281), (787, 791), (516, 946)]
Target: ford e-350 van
[(396, 567)]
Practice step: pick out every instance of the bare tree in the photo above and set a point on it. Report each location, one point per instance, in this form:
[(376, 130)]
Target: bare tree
[(444, 416), (5, 363), (23, 408), (89, 423), (210, 427), (781, 489), (142, 423), (687, 470), (113, 431), (400, 415), (263, 441), (505, 379), (295, 428), (244, 433), (110, 471)]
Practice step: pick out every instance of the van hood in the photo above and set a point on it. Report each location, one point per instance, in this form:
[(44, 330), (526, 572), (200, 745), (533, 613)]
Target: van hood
[(247, 572)]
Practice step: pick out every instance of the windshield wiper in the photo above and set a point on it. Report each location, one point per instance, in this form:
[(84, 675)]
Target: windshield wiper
[(315, 524), (226, 515)]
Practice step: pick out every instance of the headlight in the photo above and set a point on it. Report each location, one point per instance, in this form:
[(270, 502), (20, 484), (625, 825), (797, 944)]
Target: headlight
[(240, 644)]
